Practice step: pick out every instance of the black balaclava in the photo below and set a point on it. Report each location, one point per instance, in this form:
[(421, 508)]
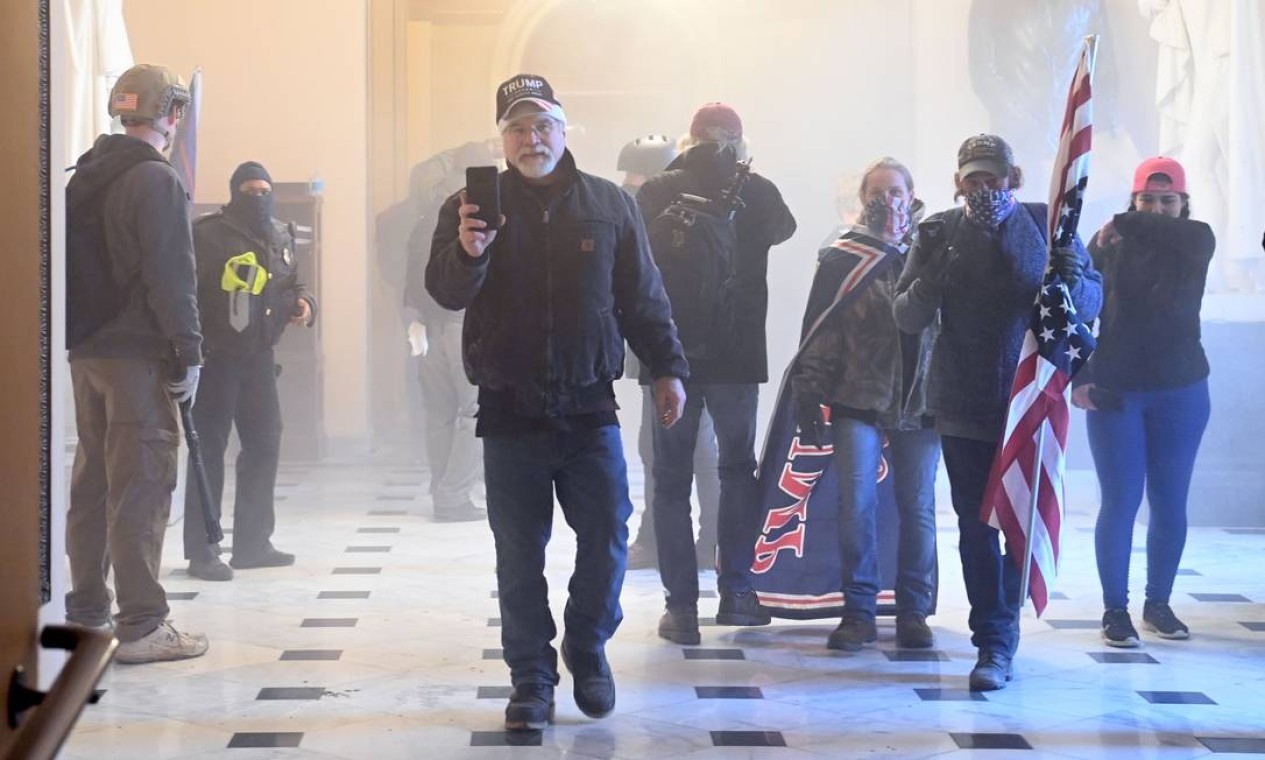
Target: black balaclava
[(254, 212)]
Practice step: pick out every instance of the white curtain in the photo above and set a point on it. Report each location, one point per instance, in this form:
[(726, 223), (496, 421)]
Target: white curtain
[(98, 52)]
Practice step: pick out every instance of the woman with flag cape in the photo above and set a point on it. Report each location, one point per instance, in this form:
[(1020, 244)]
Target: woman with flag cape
[(854, 390)]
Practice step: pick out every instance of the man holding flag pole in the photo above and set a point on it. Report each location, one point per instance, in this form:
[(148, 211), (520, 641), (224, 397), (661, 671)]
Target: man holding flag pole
[(980, 270)]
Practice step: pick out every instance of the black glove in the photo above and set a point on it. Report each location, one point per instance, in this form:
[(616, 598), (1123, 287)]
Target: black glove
[(1068, 265), (811, 422)]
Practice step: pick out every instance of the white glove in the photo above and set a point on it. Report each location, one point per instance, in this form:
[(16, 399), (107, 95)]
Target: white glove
[(186, 388), (418, 345)]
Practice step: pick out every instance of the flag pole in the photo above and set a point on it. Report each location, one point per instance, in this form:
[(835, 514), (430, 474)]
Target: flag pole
[(1032, 518)]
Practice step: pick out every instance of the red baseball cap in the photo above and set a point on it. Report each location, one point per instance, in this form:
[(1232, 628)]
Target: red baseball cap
[(719, 116), (1160, 165)]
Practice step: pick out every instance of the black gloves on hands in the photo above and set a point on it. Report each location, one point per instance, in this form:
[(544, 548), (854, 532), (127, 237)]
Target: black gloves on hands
[(1067, 264), (812, 423)]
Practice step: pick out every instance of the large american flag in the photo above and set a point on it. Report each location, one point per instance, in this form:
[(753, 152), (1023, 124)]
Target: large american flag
[(1025, 493), (184, 150)]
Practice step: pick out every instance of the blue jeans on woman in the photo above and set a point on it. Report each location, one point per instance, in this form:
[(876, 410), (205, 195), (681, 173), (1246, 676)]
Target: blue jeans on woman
[(912, 456), (1149, 444)]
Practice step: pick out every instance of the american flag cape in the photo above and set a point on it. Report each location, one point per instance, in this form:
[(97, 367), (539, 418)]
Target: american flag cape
[(1024, 497), (797, 573), (184, 150)]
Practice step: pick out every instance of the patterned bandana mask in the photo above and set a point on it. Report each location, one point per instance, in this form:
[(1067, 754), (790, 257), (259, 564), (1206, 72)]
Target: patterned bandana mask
[(888, 215), (990, 207)]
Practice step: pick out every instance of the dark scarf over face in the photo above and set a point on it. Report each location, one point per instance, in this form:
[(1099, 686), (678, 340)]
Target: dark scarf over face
[(254, 212)]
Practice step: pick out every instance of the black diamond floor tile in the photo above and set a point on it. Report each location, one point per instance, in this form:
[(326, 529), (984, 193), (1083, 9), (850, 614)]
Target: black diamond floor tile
[(950, 695), (1075, 625), (1220, 597), (343, 595), (1122, 658), (707, 622), (1233, 745), (181, 596), (714, 654), (748, 739), (97, 694), (1176, 697), (328, 623), (368, 549), (706, 594), (492, 654), (915, 655), (728, 692), (494, 594), (377, 530), (392, 497), (387, 512), (494, 622), (1188, 571), (226, 531), (1059, 595), (403, 483), (311, 655), (286, 484), (1257, 626), (292, 692), (1246, 531), (357, 571), (991, 741), (505, 738), (266, 739), (495, 692)]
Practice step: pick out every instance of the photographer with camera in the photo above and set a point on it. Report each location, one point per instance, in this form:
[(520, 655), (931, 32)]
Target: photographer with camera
[(724, 272)]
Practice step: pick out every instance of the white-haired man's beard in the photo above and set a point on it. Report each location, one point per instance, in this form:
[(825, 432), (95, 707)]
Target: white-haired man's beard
[(536, 162)]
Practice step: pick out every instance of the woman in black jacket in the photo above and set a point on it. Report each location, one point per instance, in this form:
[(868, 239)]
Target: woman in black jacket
[(1146, 391)]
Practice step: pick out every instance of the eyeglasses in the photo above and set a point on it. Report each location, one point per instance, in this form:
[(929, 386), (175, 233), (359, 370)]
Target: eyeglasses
[(522, 130)]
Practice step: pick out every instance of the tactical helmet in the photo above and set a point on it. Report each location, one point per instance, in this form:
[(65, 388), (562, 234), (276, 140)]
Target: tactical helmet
[(147, 93), (646, 156)]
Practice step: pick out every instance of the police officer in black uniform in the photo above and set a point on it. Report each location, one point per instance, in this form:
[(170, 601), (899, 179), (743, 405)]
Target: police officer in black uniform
[(248, 291)]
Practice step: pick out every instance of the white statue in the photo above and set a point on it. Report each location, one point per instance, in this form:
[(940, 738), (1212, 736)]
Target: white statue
[(1210, 85)]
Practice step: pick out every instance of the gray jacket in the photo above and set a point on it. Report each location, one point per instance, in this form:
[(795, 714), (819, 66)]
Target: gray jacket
[(985, 309)]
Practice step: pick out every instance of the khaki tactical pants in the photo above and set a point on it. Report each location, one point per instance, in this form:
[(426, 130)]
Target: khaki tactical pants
[(120, 492)]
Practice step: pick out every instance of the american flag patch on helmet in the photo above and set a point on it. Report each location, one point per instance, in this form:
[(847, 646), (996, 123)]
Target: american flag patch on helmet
[(125, 101)]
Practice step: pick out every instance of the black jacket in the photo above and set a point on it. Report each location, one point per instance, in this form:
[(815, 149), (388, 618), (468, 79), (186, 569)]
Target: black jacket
[(1153, 283), (217, 237), (146, 228), (762, 223), (550, 302)]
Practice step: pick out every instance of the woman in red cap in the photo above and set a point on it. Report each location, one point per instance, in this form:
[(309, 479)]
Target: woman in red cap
[(1146, 391)]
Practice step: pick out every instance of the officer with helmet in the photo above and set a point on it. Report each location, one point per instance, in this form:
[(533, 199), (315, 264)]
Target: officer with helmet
[(248, 292), (640, 160), (135, 353)]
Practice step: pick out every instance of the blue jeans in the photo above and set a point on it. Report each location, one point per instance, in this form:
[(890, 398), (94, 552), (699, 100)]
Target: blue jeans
[(733, 411), (992, 578), (1150, 444), (587, 471), (706, 462), (913, 456)]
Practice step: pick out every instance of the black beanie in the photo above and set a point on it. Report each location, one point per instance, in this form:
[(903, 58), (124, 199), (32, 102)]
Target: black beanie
[(246, 172)]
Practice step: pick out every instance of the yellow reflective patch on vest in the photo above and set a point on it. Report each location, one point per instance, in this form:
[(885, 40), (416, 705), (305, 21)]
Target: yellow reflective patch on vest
[(242, 273)]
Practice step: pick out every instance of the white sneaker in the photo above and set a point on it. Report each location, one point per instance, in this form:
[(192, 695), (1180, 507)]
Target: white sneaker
[(162, 643)]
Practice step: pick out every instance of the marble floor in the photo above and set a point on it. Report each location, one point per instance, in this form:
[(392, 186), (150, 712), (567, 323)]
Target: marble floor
[(382, 642)]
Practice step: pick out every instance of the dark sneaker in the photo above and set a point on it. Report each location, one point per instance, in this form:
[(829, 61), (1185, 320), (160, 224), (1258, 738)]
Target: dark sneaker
[(1118, 630), (1158, 618), (642, 556), (853, 633), (269, 557), (680, 626), (465, 512), (530, 707), (594, 684), (212, 569), (741, 609), (991, 672), (912, 631)]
